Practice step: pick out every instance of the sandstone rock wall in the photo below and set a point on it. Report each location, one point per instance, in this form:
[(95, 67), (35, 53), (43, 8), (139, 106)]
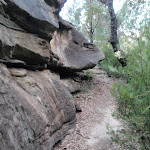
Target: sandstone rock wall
[(36, 110), (36, 106)]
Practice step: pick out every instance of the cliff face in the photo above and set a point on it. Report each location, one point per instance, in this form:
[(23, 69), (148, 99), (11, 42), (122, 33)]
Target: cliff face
[(36, 108)]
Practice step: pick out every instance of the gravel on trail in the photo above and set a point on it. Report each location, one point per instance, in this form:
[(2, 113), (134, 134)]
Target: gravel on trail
[(97, 106)]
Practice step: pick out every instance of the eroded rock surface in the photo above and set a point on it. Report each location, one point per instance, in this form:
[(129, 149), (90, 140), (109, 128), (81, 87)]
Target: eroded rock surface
[(34, 16), (36, 111), (33, 51), (36, 107)]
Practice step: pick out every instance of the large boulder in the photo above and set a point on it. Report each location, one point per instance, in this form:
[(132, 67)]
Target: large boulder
[(74, 51), (36, 111)]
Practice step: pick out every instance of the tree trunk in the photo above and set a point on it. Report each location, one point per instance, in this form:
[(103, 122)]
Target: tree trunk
[(91, 31), (113, 37)]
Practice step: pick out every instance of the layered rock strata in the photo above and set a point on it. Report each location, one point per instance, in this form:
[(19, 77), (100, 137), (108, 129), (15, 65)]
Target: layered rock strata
[(36, 106)]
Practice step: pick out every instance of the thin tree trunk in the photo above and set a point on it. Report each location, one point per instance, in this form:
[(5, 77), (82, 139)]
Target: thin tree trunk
[(91, 31), (91, 25)]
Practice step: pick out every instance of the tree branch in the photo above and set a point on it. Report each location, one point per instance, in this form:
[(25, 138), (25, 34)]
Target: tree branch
[(86, 29)]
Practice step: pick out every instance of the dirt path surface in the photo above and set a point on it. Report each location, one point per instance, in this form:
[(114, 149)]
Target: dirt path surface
[(97, 105)]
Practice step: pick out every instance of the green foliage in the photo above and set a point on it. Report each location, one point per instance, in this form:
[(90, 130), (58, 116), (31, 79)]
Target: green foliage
[(95, 15), (74, 14), (89, 75), (133, 16), (134, 98), (88, 14), (111, 64)]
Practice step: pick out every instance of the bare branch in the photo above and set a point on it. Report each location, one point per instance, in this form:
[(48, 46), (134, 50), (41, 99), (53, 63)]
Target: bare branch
[(86, 29)]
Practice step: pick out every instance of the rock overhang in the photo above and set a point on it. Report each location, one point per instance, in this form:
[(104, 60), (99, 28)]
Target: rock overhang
[(74, 51), (40, 109)]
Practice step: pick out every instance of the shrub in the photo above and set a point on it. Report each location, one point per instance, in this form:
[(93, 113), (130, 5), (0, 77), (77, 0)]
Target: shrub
[(111, 64), (133, 99)]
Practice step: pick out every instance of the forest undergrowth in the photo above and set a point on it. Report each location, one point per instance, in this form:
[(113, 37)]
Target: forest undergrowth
[(133, 97)]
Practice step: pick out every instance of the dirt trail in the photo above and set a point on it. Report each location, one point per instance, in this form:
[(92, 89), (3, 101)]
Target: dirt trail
[(97, 104)]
